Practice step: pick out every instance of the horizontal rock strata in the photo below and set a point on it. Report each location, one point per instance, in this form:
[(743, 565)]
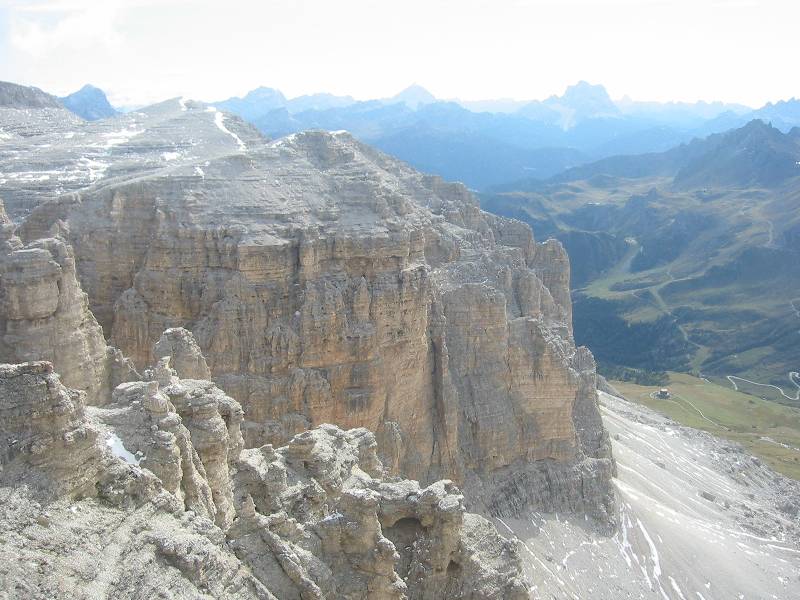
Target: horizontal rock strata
[(162, 465), (327, 283), (45, 316)]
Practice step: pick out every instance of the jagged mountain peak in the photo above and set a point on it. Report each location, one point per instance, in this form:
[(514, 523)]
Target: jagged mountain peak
[(586, 99), (584, 89), (580, 102), (89, 103), (255, 103), (414, 96), (88, 88), (757, 154), (265, 93)]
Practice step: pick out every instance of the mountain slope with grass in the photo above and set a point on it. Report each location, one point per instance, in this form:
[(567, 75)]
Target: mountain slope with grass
[(688, 260)]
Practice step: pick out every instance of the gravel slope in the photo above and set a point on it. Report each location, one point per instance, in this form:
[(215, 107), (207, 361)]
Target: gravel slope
[(699, 519)]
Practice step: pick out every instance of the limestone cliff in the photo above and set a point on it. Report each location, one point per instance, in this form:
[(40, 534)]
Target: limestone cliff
[(43, 427), (317, 522), (171, 505), (328, 283), (44, 315)]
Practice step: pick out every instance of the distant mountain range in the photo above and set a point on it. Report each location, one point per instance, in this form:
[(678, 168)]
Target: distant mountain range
[(757, 154), (89, 103), (263, 100), (687, 259), (493, 142)]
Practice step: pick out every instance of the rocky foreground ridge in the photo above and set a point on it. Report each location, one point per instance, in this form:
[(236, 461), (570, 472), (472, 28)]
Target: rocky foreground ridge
[(296, 287), (153, 496)]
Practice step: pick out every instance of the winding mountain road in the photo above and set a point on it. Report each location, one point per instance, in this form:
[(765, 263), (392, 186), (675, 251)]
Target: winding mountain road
[(794, 377)]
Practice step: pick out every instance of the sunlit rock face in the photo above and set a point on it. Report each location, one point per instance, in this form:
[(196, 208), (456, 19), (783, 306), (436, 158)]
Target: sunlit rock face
[(325, 282), (45, 316), (47, 441), (162, 467)]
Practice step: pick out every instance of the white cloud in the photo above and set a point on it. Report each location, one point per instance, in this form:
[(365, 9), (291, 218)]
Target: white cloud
[(45, 31), (145, 50)]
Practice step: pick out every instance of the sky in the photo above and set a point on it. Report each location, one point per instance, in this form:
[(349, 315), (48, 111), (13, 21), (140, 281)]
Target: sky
[(142, 51)]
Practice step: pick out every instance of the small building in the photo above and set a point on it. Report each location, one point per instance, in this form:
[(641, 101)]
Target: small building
[(663, 393)]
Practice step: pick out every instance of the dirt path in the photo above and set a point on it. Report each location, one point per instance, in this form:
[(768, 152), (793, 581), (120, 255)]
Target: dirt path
[(674, 399), (661, 305)]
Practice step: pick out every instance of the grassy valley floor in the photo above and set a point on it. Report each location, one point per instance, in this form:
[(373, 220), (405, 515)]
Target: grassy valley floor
[(766, 429)]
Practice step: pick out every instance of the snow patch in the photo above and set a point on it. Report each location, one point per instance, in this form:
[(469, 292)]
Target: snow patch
[(653, 552), (219, 120), (284, 140), (115, 138), (167, 156), (332, 517), (28, 176), (118, 449), (96, 168)]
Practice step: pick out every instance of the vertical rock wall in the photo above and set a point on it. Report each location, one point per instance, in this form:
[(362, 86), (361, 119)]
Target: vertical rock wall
[(326, 283), (45, 316)]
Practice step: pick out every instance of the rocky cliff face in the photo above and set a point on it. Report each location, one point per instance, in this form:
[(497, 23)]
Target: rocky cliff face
[(43, 427), (317, 326), (319, 497), (326, 282), (44, 315), (312, 519)]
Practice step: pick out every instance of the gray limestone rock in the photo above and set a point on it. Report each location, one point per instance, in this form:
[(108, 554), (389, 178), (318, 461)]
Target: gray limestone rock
[(44, 315), (335, 346), (326, 282), (158, 477)]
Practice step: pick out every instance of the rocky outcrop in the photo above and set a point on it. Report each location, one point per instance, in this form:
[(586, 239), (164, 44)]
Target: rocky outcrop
[(187, 432), (82, 518), (44, 315), (312, 519), (327, 283), (185, 355), (552, 267), (43, 427), (316, 522)]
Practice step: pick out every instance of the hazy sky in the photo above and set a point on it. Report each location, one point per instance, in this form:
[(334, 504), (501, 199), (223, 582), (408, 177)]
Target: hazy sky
[(145, 50)]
